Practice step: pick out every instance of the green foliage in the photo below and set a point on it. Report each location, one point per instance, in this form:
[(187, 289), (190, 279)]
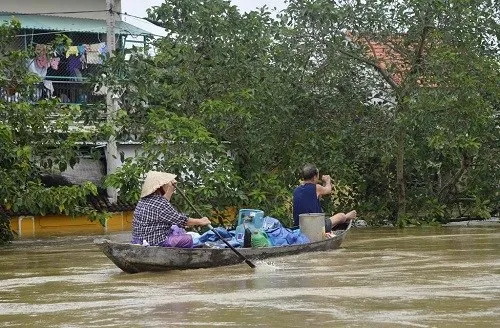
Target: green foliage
[(236, 103), (409, 140), (438, 123), (68, 200), (6, 234), (38, 138), (267, 192)]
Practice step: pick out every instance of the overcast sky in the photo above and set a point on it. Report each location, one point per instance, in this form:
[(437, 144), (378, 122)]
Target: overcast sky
[(138, 8)]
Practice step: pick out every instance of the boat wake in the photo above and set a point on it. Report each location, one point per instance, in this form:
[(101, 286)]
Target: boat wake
[(268, 266)]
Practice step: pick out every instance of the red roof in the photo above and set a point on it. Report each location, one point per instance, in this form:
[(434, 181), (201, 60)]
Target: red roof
[(388, 58)]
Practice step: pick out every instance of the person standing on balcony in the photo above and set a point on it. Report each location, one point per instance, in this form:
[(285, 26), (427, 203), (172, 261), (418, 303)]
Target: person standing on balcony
[(306, 198), (156, 222)]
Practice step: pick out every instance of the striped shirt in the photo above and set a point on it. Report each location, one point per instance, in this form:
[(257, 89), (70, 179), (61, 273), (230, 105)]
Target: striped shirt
[(153, 218)]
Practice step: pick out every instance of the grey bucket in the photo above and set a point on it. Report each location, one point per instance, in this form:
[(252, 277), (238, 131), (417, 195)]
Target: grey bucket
[(312, 225)]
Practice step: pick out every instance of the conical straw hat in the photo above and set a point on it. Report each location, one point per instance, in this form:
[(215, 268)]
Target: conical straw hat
[(155, 180)]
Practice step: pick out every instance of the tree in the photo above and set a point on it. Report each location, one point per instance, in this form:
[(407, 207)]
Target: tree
[(37, 138), (440, 57), (236, 103)]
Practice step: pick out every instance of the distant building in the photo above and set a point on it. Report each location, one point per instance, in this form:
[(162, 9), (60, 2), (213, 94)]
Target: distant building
[(64, 72)]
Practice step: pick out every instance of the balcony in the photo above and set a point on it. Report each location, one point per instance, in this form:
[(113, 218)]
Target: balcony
[(66, 89)]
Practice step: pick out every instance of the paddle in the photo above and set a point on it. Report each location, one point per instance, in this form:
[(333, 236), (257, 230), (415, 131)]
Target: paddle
[(243, 258)]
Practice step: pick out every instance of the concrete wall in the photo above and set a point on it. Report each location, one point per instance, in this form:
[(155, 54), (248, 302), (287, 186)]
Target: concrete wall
[(86, 169), (129, 150), (28, 6)]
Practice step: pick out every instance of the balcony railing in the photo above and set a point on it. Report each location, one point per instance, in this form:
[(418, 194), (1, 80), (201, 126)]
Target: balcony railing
[(65, 89)]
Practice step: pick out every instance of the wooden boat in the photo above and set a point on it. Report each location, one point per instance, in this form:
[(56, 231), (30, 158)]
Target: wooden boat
[(137, 258)]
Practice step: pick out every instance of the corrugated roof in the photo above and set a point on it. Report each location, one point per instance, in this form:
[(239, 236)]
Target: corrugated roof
[(70, 24)]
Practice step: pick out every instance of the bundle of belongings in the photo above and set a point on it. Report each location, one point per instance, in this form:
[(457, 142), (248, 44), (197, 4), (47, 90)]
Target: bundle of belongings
[(267, 232), (280, 235), (253, 230)]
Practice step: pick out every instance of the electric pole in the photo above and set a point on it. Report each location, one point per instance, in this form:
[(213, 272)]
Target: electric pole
[(111, 102)]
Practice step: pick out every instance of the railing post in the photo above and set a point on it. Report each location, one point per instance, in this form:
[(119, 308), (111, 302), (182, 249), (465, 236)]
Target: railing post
[(20, 224)]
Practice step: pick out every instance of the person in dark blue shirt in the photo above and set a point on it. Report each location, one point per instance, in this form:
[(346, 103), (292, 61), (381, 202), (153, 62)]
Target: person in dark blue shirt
[(306, 198)]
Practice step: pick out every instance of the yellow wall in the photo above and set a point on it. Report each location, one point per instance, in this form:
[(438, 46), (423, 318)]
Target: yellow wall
[(53, 225), (59, 225)]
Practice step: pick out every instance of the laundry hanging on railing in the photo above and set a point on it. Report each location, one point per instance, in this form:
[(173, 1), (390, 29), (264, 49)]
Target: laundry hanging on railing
[(41, 63), (94, 53)]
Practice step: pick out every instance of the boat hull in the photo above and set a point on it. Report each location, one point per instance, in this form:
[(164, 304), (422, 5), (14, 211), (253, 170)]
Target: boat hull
[(136, 258)]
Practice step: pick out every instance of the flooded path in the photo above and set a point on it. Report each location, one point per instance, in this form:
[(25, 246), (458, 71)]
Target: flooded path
[(419, 277)]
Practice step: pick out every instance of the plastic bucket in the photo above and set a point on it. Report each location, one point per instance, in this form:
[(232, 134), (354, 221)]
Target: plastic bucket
[(313, 226)]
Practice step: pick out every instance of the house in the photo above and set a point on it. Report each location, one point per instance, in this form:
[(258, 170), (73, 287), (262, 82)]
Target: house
[(64, 71)]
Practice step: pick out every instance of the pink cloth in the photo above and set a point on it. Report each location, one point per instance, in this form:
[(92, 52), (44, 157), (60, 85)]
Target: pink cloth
[(54, 63)]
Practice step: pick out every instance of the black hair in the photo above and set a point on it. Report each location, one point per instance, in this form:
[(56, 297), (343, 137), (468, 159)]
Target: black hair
[(160, 191), (309, 171)]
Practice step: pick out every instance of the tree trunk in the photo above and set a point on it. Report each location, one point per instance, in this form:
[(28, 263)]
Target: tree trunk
[(400, 178)]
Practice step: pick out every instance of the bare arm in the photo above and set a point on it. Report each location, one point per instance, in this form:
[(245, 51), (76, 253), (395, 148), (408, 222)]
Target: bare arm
[(198, 222), (326, 188)]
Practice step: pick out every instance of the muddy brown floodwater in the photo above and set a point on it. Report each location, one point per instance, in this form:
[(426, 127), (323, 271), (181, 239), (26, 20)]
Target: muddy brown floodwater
[(418, 277)]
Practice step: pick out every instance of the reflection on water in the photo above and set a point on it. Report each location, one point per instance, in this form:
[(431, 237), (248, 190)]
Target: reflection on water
[(439, 277)]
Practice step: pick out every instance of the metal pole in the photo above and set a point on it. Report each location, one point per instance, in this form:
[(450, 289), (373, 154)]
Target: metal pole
[(111, 101), (110, 22)]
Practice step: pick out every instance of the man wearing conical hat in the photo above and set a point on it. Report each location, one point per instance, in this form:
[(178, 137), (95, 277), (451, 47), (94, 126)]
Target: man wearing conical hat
[(155, 217)]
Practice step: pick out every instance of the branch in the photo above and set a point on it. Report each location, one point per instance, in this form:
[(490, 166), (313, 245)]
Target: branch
[(373, 64), (466, 162), (423, 37), (420, 51)]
